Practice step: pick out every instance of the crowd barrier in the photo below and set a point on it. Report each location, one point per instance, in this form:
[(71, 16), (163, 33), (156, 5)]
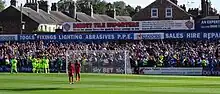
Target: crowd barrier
[(142, 70), (28, 69), (171, 71), (211, 72), (24, 69)]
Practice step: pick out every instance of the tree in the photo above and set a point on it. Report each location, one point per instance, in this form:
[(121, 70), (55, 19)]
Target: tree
[(120, 7), (137, 9), (212, 10), (130, 11), (63, 5), (2, 5), (99, 7)]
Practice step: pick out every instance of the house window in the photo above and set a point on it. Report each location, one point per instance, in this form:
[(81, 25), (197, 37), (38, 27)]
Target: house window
[(41, 28), (50, 29), (54, 29), (46, 28), (1, 29), (169, 13), (154, 12)]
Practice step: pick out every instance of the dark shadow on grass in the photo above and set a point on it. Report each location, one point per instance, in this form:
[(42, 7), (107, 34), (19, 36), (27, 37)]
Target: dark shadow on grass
[(35, 89)]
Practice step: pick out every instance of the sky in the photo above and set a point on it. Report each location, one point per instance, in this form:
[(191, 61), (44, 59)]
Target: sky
[(144, 3)]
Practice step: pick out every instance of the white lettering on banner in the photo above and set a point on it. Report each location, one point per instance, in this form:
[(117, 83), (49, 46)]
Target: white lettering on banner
[(168, 25), (8, 37), (119, 70), (66, 37), (46, 37), (193, 35), (211, 26), (174, 35), (210, 22), (211, 35), (107, 70), (149, 36), (123, 36), (99, 36), (171, 71), (27, 37), (211, 73), (96, 70)]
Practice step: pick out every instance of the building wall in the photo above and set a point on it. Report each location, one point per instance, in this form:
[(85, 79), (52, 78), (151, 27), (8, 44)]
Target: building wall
[(48, 28), (10, 21), (145, 14)]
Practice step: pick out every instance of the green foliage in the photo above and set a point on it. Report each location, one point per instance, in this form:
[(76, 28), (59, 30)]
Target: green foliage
[(99, 6), (63, 5), (2, 5)]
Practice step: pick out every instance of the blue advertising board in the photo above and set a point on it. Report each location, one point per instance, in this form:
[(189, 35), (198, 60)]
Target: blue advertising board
[(192, 35), (148, 36), (113, 36), (211, 72), (98, 36), (209, 24), (8, 38), (27, 69)]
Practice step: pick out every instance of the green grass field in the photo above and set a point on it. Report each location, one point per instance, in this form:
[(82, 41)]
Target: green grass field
[(107, 84)]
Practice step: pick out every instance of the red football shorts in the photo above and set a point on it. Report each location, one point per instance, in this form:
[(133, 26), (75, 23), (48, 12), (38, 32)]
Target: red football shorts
[(78, 71), (71, 74)]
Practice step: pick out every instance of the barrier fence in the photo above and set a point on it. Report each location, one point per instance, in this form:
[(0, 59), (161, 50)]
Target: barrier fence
[(142, 70)]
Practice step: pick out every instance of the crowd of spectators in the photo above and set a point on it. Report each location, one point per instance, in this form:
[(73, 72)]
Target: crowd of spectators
[(141, 53)]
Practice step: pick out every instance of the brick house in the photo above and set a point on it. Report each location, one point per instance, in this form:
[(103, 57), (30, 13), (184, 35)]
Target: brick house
[(36, 17), (162, 10)]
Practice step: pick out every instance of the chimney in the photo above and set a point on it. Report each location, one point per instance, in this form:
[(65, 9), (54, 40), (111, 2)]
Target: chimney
[(54, 7), (204, 5), (43, 5), (13, 2), (72, 9), (33, 4), (91, 11), (112, 13), (193, 11), (174, 1), (183, 7), (207, 7)]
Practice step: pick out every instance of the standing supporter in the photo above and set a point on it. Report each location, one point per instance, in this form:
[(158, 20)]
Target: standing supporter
[(14, 63), (164, 53), (47, 65), (34, 64), (60, 63)]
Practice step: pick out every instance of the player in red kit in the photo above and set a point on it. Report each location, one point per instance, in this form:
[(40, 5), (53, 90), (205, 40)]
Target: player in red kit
[(77, 67), (71, 70)]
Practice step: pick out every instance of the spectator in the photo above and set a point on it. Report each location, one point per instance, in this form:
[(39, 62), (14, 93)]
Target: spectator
[(141, 53)]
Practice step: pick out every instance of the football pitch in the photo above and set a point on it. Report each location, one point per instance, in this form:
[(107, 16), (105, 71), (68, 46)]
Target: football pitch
[(107, 84)]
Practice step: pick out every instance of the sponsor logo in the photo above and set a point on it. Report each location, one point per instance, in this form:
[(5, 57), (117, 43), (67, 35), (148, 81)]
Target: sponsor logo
[(66, 27), (189, 24), (209, 72)]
